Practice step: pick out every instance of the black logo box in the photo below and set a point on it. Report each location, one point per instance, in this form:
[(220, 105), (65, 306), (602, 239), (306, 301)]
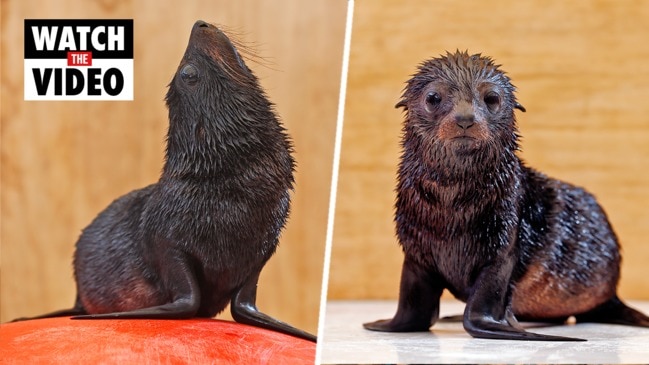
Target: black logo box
[(32, 52)]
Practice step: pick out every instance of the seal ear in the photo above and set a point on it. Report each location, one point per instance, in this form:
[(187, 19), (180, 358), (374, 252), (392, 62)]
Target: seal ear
[(402, 104), (519, 107)]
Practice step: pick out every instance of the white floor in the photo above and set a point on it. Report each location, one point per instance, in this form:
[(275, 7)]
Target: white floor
[(345, 340)]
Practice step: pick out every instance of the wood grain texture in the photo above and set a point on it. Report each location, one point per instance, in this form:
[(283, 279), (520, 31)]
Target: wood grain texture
[(582, 73), (63, 162)]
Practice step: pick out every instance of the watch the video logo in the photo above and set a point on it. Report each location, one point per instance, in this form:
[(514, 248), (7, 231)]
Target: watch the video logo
[(78, 59)]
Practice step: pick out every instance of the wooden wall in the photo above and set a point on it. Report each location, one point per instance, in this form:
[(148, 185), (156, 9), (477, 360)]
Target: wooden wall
[(582, 73), (63, 162)]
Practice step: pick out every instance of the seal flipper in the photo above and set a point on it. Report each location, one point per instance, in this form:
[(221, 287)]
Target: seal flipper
[(182, 308), (184, 286), (488, 312), (244, 310), (487, 327), (614, 311), (418, 307), (452, 319), (74, 311)]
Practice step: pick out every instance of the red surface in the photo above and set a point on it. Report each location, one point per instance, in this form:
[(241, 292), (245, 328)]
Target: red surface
[(193, 341)]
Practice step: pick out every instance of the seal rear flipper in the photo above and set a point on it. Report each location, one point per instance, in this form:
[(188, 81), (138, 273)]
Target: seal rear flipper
[(179, 309), (245, 311), (180, 280), (614, 311), (74, 311), (452, 319), (60, 313), (395, 325)]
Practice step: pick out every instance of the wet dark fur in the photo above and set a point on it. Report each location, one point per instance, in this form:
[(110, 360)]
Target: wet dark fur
[(198, 238), (473, 219)]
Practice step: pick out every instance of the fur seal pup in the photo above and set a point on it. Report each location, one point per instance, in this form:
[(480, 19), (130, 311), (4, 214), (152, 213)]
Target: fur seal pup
[(197, 239), (473, 219)]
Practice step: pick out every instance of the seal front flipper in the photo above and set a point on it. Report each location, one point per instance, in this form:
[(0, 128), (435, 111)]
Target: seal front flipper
[(486, 327), (244, 310), (418, 308), (180, 279), (488, 312), (614, 311)]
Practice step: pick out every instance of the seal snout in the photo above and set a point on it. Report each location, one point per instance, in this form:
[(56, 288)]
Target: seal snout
[(465, 120), (201, 29), (202, 24), (464, 115), (464, 124)]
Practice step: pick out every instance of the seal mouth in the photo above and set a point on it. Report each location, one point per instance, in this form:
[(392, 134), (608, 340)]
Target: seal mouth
[(465, 141), (464, 138)]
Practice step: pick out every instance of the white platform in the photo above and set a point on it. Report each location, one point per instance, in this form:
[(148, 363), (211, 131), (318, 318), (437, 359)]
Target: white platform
[(345, 340)]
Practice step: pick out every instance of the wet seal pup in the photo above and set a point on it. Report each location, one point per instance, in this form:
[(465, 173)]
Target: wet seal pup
[(197, 239), (473, 219)]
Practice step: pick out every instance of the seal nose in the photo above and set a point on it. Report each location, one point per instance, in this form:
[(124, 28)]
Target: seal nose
[(465, 121), (201, 24)]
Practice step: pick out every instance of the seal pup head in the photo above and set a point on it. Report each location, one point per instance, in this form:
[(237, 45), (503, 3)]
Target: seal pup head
[(219, 115), (211, 57), (461, 104)]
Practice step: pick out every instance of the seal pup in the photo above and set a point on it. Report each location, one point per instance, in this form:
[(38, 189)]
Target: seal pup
[(472, 218), (197, 239)]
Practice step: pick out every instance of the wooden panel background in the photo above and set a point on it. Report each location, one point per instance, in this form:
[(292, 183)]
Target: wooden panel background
[(63, 162), (582, 72)]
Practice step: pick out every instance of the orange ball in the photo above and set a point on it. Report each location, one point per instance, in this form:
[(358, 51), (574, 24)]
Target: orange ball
[(193, 341)]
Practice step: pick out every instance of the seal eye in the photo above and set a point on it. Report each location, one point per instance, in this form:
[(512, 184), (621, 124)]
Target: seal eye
[(492, 99), (433, 98), (189, 74)]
